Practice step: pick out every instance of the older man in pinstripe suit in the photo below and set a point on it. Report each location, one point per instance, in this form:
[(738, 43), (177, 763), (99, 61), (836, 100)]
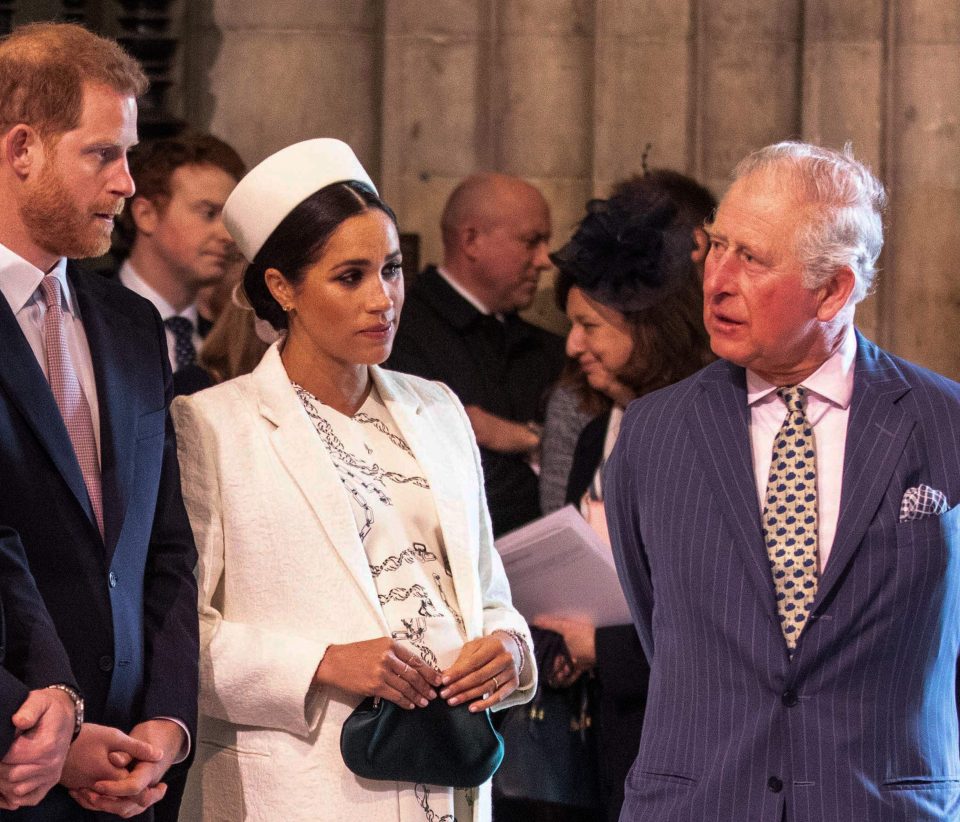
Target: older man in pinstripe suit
[(782, 529)]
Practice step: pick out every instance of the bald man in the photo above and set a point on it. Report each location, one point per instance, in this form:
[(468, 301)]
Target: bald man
[(460, 326)]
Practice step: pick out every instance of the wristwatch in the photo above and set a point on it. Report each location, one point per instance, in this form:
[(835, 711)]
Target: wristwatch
[(77, 706)]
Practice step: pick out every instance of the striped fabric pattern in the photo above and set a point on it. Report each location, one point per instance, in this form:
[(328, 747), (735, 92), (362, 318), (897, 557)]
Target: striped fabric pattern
[(861, 722)]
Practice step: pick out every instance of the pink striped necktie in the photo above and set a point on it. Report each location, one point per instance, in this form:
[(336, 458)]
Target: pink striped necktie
[(69, 395)]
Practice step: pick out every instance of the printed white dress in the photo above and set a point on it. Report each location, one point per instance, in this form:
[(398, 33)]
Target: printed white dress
[(398, 525)]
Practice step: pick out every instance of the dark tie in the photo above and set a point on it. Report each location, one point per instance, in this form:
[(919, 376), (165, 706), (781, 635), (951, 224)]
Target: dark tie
[(790, 516), (69, 395), (184, 352)]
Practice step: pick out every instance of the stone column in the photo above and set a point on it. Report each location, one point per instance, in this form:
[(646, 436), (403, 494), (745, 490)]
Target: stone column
[(435, 100), (922, 283), (645, 87), (264, 75), (844, 82), (543, 100), (749, 81), (543, 104)]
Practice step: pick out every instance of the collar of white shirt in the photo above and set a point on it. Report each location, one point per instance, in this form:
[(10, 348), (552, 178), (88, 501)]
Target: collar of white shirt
[(20, 281), (466, 294), (132, 280), (832, 382)]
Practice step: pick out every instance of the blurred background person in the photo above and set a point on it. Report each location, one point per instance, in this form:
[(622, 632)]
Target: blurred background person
[(345, 547), (237, 341), (177, 242), (573, 403), (630, 285), (461, 327)]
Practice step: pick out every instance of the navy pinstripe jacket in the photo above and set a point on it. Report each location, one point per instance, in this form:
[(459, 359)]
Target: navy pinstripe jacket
[(861, 724)]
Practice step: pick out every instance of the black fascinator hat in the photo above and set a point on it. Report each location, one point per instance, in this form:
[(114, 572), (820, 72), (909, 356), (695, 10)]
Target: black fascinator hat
[(629, 252)]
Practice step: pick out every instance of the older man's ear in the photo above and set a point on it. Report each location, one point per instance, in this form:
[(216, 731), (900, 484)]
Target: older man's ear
[(835, 293)]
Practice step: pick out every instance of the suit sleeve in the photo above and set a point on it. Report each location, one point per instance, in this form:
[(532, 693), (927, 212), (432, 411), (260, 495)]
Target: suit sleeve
[(252, 674), (32, 654), (498, 611), (622, 501), (170, 590)]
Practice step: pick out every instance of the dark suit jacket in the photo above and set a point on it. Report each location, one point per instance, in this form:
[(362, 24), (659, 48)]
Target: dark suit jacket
[(31, 655), (622, 673), (191, 378), (861, 723), (505, 368), (124, 606)]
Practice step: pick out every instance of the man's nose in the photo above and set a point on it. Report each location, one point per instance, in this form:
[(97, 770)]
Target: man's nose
[(122, 183), (541, 260), (222, 234), (718, 272)]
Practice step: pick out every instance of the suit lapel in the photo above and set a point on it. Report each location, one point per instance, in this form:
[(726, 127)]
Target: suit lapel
[(718, 420), (877, 432), (28, 390), (119, 413), (306, 460), (407, 412)]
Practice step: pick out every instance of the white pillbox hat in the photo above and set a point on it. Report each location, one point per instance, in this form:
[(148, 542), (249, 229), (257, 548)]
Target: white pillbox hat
[(274, 188)]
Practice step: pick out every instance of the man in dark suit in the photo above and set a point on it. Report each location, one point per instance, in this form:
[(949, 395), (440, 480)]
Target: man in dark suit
[(85, 435), (460, 326), (781, 527), (40, 707), (178, 243)]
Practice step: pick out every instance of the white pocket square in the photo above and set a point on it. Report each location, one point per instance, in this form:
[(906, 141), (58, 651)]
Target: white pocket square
[(922, 501)]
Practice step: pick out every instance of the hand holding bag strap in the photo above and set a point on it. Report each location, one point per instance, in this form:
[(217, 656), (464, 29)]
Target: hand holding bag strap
[(436, 745)]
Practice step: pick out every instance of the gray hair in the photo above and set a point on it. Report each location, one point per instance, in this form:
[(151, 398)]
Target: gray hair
[(847, 227)]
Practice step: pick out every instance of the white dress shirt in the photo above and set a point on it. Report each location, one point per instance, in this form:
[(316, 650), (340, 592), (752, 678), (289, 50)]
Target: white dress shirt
[(466, 294), (132, 280), (20, 284), (830, 390)]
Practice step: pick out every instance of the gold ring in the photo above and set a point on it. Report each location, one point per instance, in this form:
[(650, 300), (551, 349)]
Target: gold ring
[(496, 684)]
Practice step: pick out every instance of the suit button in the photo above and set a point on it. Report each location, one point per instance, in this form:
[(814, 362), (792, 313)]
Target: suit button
[(790, 698), (112, 578), (106, 663), (775, 784)]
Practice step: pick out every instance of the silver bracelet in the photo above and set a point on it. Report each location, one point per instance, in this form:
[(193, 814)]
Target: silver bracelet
[(517, 637)]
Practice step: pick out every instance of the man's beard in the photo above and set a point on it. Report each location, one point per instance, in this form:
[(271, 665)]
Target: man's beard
[(58, 225)]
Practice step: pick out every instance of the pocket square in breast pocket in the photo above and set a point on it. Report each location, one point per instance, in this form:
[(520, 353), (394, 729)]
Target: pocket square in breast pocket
[(922, 501)]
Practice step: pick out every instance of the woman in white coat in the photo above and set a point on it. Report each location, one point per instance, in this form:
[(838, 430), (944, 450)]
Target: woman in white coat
[(345, 548)]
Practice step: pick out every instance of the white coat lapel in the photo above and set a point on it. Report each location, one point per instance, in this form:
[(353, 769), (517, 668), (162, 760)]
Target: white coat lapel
[(306, 459), (427, 445)]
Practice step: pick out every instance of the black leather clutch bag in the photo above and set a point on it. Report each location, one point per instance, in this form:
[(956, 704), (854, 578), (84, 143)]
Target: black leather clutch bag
[(438, 745)]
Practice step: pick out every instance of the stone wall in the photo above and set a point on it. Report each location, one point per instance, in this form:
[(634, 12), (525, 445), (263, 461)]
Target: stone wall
[(568, 93)]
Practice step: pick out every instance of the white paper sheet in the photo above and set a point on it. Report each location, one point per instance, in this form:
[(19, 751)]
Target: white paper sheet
[(558, 565)]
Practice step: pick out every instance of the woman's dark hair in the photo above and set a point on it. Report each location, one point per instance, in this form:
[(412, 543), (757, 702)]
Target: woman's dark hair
[(632, 253), (298, 241)]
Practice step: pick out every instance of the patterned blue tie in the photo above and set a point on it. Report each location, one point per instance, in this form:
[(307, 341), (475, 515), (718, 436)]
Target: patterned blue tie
[(184, 351), (790, 516)]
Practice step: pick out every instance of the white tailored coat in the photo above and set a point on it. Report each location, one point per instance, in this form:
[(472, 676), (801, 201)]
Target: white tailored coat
[(283, 575)]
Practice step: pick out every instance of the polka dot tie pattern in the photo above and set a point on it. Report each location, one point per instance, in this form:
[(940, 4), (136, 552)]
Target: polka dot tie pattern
[(69, 395), (790, 516), (184, 351)]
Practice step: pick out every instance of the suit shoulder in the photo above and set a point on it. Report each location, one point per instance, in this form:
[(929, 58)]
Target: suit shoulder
[(929, 381), (548, 340), (425, 389), (214, 401), (924, 384), (112, 291), (677, 395)]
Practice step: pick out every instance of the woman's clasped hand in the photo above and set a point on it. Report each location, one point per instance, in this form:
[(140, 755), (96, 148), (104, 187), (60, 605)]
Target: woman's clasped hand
[(486, 671)]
